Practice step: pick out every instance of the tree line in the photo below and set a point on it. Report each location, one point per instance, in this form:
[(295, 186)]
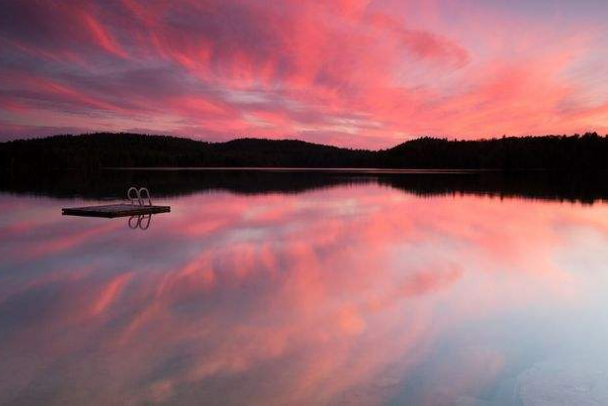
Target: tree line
[(91, 152)]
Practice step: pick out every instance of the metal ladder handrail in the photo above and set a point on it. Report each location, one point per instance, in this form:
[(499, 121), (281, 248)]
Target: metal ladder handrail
[(138, 196), (139, 192)]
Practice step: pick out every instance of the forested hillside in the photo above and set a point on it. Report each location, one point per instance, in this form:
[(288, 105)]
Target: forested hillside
[(99, 150)]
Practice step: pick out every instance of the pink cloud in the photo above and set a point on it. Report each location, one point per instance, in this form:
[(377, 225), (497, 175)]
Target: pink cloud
[(352, 73)]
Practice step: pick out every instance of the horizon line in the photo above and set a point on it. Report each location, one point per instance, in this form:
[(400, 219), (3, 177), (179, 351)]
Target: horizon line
[(190, 138)]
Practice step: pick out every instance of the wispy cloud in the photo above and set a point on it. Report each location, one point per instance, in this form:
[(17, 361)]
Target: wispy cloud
[(357, 73)]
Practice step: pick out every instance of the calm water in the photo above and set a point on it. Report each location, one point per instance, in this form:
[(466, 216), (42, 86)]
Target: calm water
[(306, 290)]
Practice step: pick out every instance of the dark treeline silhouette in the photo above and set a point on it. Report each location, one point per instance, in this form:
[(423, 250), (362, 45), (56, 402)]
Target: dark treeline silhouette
[(91, 152), (112, 184), (587, 152)]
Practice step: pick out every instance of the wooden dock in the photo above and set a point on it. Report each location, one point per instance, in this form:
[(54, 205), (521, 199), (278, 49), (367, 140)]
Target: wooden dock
[(114, 210)]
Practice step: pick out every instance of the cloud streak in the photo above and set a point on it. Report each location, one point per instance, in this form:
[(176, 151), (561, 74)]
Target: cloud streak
[(354, 73)]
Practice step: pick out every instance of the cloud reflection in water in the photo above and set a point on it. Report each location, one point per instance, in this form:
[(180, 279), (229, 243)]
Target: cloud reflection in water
[(354, 294)]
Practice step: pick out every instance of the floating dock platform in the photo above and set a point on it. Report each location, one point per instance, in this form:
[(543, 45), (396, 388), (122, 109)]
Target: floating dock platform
[(115, 210)]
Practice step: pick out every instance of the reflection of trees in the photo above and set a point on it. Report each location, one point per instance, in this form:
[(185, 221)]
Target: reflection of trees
[(583, 187)]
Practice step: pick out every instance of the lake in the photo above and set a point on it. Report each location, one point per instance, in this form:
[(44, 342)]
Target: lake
[(283, 287)]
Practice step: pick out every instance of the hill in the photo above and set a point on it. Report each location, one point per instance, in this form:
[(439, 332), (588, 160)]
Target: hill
[(100, 150)]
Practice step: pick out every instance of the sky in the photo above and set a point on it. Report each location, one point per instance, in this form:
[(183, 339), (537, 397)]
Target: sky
[(354, 73)]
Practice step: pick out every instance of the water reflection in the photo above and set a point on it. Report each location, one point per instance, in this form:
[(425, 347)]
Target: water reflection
[(581, 187), (357, 293), (141, 222)]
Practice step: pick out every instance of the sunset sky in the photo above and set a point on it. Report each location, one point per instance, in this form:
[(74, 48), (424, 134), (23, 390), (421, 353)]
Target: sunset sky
[(350, 72)]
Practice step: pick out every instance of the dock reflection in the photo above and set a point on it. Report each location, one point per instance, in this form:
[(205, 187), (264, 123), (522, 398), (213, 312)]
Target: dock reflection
[(141, 222)]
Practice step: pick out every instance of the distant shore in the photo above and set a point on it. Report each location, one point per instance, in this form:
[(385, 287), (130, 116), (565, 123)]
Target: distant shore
[(91, 152), (297, 169)]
